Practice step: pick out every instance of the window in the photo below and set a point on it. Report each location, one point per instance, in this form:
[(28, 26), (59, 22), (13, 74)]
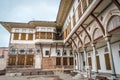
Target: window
[(1, 56), (71, 60), (37, 34), (49, 35), (42, 29), (88, 54), (107, 61), (98, 62), (13, 50), (49, 29), (43, 35), (30, 50), (106, 49), (64, 53), (22, 51), (47, 53), (96, 52), (16, 36), (23, 36), (89, 61), (58, 52), (23, 30), (38, 51), (30, 30), (54, 30), (64, 60), (58, 61), (16, 30), (71, 52), (30, 36)]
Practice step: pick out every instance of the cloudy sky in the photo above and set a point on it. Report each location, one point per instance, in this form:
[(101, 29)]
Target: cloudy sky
[(25, 11)]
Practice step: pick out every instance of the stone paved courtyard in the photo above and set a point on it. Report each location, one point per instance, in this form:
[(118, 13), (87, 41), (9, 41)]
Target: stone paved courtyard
[(56, 76)]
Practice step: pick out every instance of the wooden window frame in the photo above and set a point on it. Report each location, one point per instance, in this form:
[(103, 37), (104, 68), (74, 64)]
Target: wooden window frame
[(107, 61), (58, 61)]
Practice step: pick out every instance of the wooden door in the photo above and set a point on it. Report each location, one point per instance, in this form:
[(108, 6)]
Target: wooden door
[(12, 60), (107, 61), (29, 60), (21, 59)]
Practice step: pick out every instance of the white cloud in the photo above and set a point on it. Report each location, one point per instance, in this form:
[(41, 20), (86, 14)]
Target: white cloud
[(25, 11)]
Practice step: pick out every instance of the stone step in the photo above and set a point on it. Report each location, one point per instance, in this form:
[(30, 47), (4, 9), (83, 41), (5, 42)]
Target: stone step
[(26, 72)]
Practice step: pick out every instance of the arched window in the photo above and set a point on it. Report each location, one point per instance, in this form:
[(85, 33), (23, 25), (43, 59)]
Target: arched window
[(58, 52), (106, 49), (30, 50), (113, 23), (38, 51), (22, 51), (13, 51), (97, 33)]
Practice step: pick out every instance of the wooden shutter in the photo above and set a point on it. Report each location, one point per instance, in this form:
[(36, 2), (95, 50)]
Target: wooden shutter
[(16, 36), (69, 28), (84, 5), (29, 60), (12, 60), (98, 62), (74, 20), (89, 61), (30, 36), (71, 60), (21, 59), (64, 60), (23, 36), (43, 35), (37, 35), (79, 11), (107, 61), (65, 33), (49, 35), (58, 61)]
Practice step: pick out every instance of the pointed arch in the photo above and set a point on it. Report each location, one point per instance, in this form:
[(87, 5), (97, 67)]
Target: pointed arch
[(79, 38), (74, 42), (113, 23), (99, 23), (96, 33), (108, 16), (116, 3), (86, 40), (86, 32)]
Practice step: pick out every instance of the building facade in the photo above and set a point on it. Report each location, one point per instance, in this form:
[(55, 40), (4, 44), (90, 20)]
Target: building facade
[(3, 57), (89, 29)]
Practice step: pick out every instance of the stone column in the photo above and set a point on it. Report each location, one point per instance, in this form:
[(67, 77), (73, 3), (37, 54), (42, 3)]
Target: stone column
[(79, 61), (94, 59), (85, 56), (16, 63), (77, 64), (26, 36), (74, 61), (25, 59), (107, 38), (19, 36)]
